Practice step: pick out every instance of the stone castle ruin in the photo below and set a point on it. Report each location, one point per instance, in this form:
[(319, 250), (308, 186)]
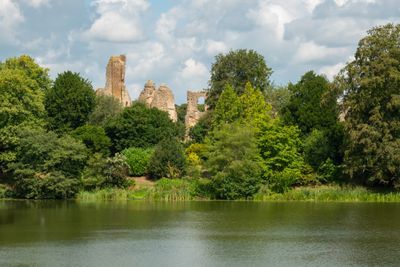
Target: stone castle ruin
[(193, 114), (161, 98), (115, 81)]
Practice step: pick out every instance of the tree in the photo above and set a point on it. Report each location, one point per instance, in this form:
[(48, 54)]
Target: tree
[(312, 108), (254, 109), (280, 147), (278, 97), (370, 86), (228, 107), (139, 126), (233, 162), (29, 67), (94, 137), (46, 166), (21, 99), (168, 160), (106, 108), (69, 102), (237, 68), (306, 109)]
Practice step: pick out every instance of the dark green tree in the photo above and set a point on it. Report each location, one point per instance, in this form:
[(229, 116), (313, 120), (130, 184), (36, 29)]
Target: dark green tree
[(139, 126), (306, 108), (313, 109), (236, 69), (168, 160), (370, 85), (69, 102), (94, 137)]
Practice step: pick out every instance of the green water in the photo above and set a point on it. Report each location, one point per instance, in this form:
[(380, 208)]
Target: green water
[(191, 234)]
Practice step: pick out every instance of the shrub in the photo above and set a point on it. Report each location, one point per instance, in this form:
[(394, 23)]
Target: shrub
[(168, 160), (103, 172), (138, 160)]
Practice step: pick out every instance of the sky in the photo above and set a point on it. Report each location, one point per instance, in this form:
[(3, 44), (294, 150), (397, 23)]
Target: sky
[(175, 41)]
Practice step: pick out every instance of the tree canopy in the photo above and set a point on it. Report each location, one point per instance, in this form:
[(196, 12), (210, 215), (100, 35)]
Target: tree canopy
[(140, 126), (371, 100), (69, 102), (237, 68)]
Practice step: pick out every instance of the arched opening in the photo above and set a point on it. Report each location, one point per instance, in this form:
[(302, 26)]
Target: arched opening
[(201, 103)]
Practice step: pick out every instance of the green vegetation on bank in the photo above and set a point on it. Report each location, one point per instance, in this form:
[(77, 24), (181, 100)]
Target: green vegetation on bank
[(178, 190), (58, 140)]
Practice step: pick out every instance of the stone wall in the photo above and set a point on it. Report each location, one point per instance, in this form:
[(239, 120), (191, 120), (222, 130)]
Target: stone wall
[(115, 80), (193, 114)]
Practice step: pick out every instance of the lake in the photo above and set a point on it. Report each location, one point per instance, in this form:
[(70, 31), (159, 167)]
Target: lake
[(139, 233)]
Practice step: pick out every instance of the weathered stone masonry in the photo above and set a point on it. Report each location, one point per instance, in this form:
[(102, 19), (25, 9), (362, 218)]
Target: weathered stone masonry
[(115, 80)]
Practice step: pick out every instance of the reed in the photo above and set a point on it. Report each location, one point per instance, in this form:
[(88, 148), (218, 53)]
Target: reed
[(330, 193)]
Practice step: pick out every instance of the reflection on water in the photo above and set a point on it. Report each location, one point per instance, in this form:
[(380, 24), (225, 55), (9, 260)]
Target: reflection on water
[(136, 233)]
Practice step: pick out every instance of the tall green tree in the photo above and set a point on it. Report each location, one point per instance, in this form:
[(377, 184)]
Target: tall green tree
[(21, 98), (69, 102), (306, 108), (370, 85), (254, 108), (233, 162), (228, 107), (30, 68), (315, 111), (280, 149), (236, 68)]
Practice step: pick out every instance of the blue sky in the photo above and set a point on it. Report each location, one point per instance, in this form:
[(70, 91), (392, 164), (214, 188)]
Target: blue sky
[(175, 41)]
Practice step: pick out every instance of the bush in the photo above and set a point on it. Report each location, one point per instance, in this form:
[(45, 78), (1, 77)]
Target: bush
[(138, 160), (106, 172), (168, 160)]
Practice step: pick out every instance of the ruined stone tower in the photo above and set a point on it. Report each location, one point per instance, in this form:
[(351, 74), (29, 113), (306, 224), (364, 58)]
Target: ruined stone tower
[(162, 98), (115, 80), (193, 114)]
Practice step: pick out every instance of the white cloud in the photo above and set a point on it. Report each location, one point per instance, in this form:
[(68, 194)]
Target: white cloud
[(192, 75), (311, 52), (118, 21), (10, 18), (216, 47), (332, 70)]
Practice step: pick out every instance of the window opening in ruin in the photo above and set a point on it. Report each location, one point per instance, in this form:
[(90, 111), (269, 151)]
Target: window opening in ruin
[(201, 103)]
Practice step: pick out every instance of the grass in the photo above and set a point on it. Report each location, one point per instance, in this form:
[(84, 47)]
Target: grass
[(104, 194), (164, 189), (330, 193)]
